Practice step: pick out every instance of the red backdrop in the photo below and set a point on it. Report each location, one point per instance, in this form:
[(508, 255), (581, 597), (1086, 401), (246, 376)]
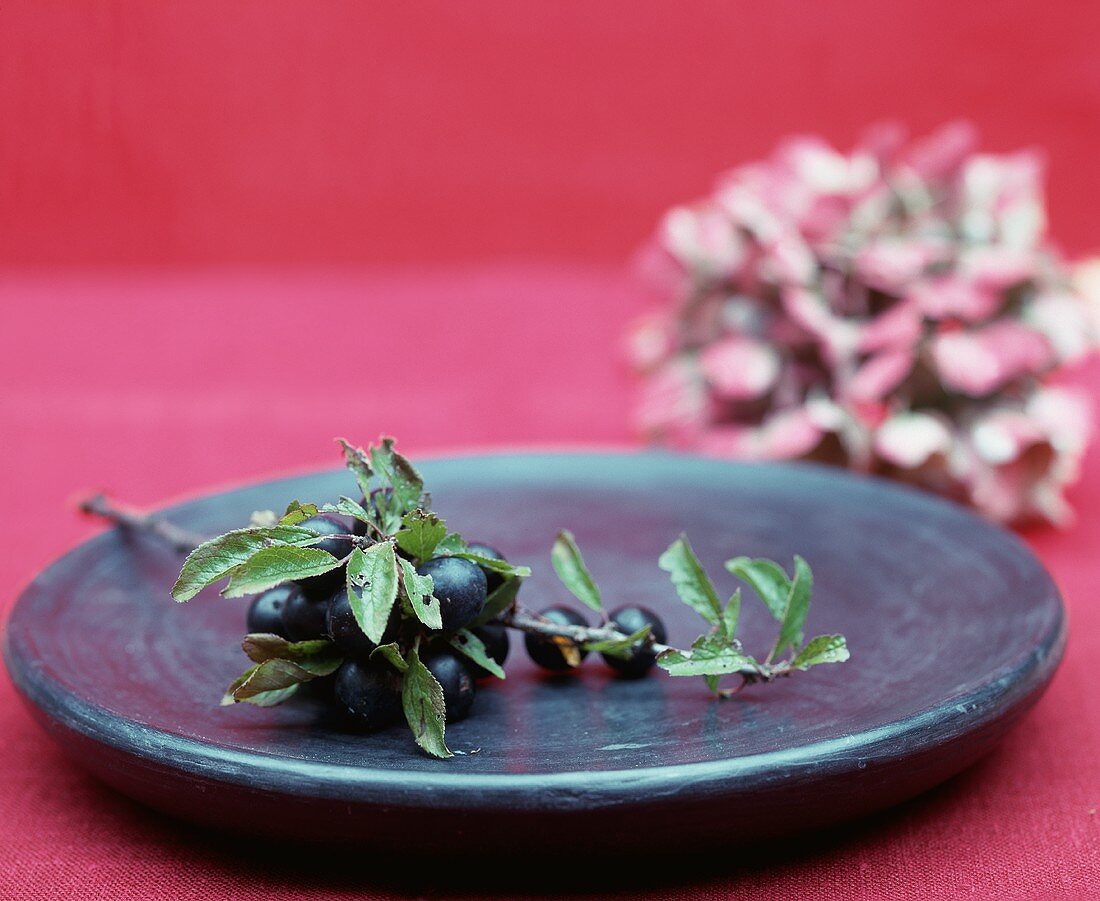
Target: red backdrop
[(272, 131), (281, 171)]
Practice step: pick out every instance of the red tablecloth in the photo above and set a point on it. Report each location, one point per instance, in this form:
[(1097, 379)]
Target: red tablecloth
[(152, 385)]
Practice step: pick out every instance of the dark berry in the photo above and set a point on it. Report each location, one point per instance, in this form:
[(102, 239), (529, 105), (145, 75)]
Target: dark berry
[(543, 650), (493, 580), (370, 691), (456, 681), (304, 617), (343, 628), (322, 587), (630, 619), (459, 585), (266, 612), (328, 524), (495, 638)]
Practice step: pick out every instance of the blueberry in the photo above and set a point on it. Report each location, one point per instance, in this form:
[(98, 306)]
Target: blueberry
[(266, 612), (493, 580), (327, 524), (370, 692), (543, 650), (630, 619), (495, 638), (322, 587), (304, 616), (459, 586), (344, 629), (456, 681)]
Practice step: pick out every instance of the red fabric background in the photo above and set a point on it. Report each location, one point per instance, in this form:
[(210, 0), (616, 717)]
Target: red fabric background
[(311, 157), (269, 130), (162, 384)]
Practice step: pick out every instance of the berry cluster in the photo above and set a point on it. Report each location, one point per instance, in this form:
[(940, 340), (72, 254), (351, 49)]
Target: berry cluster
[(376, 599), (319, 608)]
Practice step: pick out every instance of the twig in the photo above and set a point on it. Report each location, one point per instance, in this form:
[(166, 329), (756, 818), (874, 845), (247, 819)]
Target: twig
[(518, 618), (181, 540)]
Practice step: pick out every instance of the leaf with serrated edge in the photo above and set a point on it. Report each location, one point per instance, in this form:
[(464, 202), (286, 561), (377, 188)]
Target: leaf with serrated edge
[(501, 567), (574, 575), (499, 600), (319, 656), (297, 512), (358, 463), (271, 675), (465, 642), (619, 647), (394, 471), (709, 656), (392, 653), (767, 578), (822, 649), (214, 559), (347, 507), (420, 533), (690, 580), (372, 587), (425, 712), (418, 589), (451, 545), (798, 605), (274, 565), (731, 615)]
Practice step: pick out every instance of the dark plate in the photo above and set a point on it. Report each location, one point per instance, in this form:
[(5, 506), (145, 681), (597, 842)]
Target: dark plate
[(955, 629)]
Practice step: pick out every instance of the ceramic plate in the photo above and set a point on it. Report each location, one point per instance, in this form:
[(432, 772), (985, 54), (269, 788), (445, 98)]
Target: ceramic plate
[(954, 628)]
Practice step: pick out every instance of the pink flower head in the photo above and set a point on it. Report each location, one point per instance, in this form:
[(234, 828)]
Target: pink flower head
[(981, 361), (893, 308), (740, 368)]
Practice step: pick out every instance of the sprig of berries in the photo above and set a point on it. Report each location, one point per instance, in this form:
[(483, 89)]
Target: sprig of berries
[(404, 616)]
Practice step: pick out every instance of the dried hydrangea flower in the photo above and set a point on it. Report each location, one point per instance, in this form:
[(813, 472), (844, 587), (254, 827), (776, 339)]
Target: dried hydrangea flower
[(896, 309)]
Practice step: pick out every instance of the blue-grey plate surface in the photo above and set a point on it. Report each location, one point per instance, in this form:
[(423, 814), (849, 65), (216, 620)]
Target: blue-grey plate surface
[(954, 627)]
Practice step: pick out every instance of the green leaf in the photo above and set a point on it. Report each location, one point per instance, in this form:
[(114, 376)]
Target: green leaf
[(464, 641), (797, 606), (731, 615), (452, 545), (713, 682), (263, 698), (396, 472), (502, 567), (274, 565), (273, 675), (372, 587), (392, 653), (620, 647), (709, 656), (822, 649), (297, 512), (767, 578), (690, 580), (418, 589), (214, 559), (420, 534), (347, 507), (569, 565), (422, 700), (319, 656), (357, 461), (499, 600)]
